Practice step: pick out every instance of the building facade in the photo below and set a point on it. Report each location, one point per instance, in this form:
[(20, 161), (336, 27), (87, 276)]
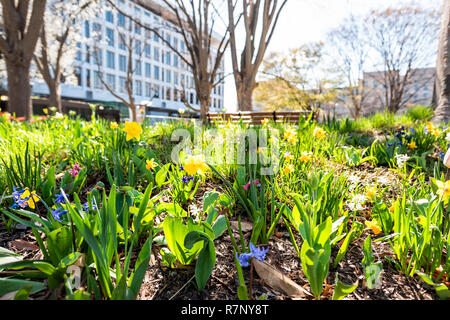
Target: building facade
[(418, 89), (160, 78)]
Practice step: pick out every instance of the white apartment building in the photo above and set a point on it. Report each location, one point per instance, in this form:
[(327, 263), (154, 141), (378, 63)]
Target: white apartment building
[(160, 76)]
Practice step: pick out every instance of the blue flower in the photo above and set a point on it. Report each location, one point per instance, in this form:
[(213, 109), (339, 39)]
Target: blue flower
[(17, 193), (255, 253), (57, 213), (412, 130), (60, 198), (186, 179), (86, 207), (441, 155), (18, 201), (181, 167)]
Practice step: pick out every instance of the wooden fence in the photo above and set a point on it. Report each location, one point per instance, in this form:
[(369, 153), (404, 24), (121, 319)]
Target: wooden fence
[(255, 117)]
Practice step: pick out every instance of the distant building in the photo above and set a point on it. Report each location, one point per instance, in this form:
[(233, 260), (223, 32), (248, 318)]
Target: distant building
[(418, 89), (160, 77)]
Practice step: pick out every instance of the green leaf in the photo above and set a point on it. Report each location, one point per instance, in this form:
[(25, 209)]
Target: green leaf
[(10, 285), (79, 295), (341, 290), (59, 244), (45, 267), (219, 227), (7, 256), (23, 293), (206, 259), (140, 267)]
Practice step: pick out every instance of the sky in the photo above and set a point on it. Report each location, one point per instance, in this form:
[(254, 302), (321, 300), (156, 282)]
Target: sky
[(303, 21)]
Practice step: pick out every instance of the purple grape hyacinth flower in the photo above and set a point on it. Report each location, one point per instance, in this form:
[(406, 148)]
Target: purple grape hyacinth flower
[(256, 253)]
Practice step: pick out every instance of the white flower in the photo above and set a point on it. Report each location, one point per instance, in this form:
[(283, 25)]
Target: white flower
[(357, 202), (421, 201), (401, 159)]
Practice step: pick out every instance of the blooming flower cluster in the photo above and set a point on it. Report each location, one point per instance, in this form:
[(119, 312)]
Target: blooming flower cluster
[(75, 170), (290, 135), (246, 186), (357, 202), (255, 253), (186, 179), (24, 198)]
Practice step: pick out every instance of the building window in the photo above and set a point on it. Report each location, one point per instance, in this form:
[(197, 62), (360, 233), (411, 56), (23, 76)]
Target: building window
[(77, 74), (111, 81), (98, 57), (122, 44), (110, 36), (168, 94), (148, 89), (110, 60), (168, 58), (137, 28), (120, 20), (155, 54), (97, 30), (137, 47), (175, 60), (88, 78), (138, 67), (156, 72), (147, 50), (175, 94), (138, 89), (78, 54), (122, 63), (122, 85), (163, 74), (156, 91), (168, 76), (175, 78), (109, 16), (97, 81), (87, 32), (148, 68)]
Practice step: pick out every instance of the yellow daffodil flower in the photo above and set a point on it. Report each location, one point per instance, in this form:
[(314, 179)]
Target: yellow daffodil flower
[(195, 164), (288, 156), (373, 225), (113, 125), (288, 169), (319, 133), (371, 192), (436, 133), (305, 157), (151, 164), (290, 135), (133, 130), (265, 121), (33, 199), (412, 145), (443, 189)]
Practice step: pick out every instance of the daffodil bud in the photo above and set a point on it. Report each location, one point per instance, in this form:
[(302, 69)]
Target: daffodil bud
[(447, 159)]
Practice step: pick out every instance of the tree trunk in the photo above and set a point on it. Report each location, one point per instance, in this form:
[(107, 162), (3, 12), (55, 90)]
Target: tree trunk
[(54, 98), (442, 81), (245, 97), (19, 89), (133, 113)]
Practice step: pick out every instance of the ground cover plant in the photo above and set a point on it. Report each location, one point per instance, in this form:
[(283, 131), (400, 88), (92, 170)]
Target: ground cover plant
[(350, 209)]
